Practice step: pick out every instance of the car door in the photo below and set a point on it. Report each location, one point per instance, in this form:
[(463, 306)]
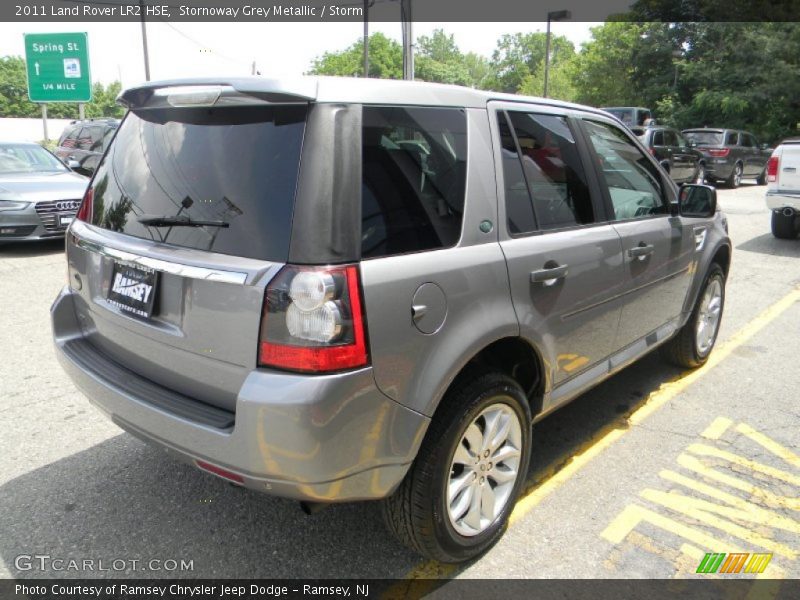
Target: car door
[(657, 247), (688, 157), (753, 164), (564, 259), (681, 165)]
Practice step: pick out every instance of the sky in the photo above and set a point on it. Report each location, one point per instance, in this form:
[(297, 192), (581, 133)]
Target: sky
[(279, 49)]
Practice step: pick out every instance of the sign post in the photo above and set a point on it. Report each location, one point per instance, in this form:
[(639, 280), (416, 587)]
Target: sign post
[(57, 65)]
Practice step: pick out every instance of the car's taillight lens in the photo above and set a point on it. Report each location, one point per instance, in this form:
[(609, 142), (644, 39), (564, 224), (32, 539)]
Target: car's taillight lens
[(313, 320), (85, 211), (719, 152), (772, 168), (652, 151)]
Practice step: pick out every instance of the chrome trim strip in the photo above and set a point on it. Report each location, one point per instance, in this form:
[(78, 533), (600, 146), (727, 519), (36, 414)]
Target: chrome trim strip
[(174, 268)]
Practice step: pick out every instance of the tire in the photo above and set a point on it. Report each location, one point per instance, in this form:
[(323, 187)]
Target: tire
[(783, 227), (734, 180), (762, 177), (685, 348), (419, 513), (700, 174)]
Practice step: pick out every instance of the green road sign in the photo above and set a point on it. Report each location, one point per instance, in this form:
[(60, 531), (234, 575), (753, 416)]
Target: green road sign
[(58, 67)]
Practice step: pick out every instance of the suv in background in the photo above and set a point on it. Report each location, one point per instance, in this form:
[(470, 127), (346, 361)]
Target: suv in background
[(783, 189), (672, 151), (730, 155), (632, 116), (84, 142), (383, 307)]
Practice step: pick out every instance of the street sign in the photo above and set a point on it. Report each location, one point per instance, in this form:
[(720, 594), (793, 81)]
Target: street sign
[(58, 67)]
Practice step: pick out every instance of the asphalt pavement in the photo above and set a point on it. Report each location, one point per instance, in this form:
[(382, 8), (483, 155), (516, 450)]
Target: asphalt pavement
[(639, 478)]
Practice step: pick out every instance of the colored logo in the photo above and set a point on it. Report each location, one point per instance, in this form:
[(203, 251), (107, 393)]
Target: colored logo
[(743, 562)]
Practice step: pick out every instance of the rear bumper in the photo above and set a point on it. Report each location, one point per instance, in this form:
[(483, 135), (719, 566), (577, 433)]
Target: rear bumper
[(319, 438), (778, 200)]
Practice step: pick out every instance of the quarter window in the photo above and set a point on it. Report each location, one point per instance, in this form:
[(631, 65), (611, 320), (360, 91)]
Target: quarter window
[(633, 181), (414, 178)]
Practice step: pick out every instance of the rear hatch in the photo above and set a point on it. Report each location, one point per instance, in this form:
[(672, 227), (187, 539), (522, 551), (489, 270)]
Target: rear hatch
[(191, 213), (789, 167), (707, 141)]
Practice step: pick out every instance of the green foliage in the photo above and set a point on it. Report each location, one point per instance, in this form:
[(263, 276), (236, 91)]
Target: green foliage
[(14, 96), (519, 56), (385, 60)]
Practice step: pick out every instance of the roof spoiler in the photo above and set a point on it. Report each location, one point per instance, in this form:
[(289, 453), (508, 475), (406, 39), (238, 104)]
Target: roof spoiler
[(260, 90)]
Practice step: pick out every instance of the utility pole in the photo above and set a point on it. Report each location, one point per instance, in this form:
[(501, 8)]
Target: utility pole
[(556, 15), (44, 121), (144, 43), (408, 40), (366, 38)]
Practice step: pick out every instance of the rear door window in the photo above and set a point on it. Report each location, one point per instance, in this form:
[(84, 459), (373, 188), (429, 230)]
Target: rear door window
[(669, 138), (633, 182), (70, 139), (414, 178), (552, 171), (233, 169), (731, 138)]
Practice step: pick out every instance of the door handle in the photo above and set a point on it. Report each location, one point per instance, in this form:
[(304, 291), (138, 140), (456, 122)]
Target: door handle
[(549, 276), (641, 251)]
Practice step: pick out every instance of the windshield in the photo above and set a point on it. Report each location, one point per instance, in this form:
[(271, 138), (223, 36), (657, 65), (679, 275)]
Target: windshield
[(28, 158), (232, 171), (710, 138), (623, 114)]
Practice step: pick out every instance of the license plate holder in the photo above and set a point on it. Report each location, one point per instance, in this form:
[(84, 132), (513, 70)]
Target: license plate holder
[(64, 221), (133, 289)]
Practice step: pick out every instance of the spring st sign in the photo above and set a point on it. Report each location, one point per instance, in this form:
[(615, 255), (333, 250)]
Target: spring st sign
[(58, 67)]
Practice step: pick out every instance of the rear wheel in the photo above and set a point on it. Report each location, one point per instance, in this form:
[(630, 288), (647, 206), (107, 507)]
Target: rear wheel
[(455, 501), (692, 345), (735, 178), (783, 227)]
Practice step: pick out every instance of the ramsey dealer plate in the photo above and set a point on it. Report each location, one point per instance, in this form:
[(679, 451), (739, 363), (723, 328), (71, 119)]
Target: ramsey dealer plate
[(133, 289)]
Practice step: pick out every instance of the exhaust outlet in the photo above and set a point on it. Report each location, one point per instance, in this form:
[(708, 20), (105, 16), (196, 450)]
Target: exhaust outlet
[(788, 212), (311, 508)]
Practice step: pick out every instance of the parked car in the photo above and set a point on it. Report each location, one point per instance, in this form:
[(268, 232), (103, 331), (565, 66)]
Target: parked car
[(39, 196), (632, 116), (85, 141), (730, 155), (783, 189), (673, 152), (349, 321)]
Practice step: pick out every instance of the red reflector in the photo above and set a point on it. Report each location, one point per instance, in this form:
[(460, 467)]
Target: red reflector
[(719, 152), (772, 168), (219, 471), (85, 211)]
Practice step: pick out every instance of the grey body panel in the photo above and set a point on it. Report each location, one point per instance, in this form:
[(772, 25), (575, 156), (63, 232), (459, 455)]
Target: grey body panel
[(323, 438)]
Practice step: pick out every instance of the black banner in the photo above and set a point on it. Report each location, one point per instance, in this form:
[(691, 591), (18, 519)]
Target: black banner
[(334, 11), (735, 588)]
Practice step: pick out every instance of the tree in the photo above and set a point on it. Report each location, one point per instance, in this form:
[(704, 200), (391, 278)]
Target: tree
[(438, 59), (518, 56), (385, 60)]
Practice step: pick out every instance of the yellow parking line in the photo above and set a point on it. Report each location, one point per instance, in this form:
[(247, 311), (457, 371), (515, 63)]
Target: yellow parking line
[(609, 434), (703, 450), (717, 428), (769, 444)]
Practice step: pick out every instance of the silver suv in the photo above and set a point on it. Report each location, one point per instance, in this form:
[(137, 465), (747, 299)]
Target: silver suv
[(337, 290)]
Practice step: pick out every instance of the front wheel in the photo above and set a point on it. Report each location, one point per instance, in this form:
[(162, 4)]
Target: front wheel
[(693, 343), (455, 501)]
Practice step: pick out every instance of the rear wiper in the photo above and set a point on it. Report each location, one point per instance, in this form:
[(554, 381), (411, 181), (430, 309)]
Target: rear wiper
[(170, 221)]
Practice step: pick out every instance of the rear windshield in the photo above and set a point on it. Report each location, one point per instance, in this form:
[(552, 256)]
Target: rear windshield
[(623, 114), (701, 138), (215, 179)]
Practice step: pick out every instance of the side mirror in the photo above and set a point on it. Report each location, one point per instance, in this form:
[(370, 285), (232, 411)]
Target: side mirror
[(764, 146), (692, 143), (697, 200), (73, 164)]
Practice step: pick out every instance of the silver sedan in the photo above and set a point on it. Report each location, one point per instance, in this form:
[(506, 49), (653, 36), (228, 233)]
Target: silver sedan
[(39, 195)]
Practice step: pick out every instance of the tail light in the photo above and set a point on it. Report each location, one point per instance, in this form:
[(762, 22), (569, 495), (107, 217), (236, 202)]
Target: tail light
[(772, 168), (719, 152), (313, 320), (652, 151), (85, 211)]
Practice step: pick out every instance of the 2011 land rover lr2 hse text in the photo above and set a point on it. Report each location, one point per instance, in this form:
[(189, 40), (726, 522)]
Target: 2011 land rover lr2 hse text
[(337, 290)]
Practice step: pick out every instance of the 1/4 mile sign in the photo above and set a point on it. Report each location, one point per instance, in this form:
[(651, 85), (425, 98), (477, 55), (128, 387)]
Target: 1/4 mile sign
[(58, 67)]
